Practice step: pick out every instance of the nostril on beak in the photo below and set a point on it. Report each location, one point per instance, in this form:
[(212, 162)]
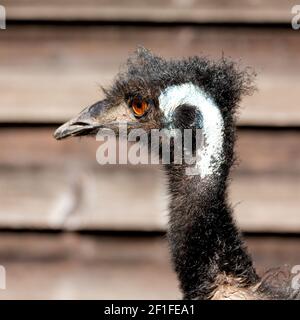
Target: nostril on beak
[(80, 123)]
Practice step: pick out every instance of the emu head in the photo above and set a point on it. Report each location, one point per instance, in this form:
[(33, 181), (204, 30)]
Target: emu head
[(154, 93)]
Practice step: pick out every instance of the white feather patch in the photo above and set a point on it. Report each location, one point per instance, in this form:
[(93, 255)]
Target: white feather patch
[(211, 155)]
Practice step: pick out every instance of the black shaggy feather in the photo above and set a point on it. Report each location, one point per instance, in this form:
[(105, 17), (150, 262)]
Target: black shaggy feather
[(207, 250), (203, 238)]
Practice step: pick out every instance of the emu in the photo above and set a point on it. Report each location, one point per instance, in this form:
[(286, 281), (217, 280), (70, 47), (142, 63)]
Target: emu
[(207, 250)]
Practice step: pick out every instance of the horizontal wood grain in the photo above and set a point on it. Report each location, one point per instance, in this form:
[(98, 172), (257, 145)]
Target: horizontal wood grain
[(49, 184), (72, 266), (154, 11), (85, 267), (258, 151), (49, 73)]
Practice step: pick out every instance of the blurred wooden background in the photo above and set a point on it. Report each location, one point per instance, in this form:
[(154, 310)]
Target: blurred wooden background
[(53, 57)]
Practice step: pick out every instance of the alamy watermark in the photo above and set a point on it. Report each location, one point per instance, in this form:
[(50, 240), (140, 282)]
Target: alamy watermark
[(163, 146), (296, 17), (2, 17), (295, 283), (2, 278)]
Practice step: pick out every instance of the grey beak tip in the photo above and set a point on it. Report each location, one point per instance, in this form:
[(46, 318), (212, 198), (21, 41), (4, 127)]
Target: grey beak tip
[(56, 136), (59, 133), (72, 129)]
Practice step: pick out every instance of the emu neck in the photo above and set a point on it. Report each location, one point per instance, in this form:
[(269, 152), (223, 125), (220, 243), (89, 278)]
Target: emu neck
[(205, 243)]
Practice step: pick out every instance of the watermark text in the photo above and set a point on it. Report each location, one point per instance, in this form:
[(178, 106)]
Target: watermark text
[(2, 18), (2, 278), (296, 17), (158, 146)]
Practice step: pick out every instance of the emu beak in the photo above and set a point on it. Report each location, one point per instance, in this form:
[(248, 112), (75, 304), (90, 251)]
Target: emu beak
[(91, 119), (86, 122)]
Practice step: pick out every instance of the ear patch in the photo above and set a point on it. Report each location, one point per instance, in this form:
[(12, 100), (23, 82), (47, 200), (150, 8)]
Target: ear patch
[(211, 155), (187, 117)]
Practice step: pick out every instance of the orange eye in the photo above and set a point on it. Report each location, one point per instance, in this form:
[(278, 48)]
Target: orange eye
[(139, 106)]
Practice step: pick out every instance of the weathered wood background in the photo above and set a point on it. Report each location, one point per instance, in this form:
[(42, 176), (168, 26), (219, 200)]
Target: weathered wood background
[(53, 57)]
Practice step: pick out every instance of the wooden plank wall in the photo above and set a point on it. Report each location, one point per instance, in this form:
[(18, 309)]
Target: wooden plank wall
[(54, 55), (152, 11)]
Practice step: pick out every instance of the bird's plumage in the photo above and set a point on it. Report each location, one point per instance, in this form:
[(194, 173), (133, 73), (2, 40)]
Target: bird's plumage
[(208, 254)]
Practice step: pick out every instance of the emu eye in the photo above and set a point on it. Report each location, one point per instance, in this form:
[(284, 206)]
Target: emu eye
[(139, 106)]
